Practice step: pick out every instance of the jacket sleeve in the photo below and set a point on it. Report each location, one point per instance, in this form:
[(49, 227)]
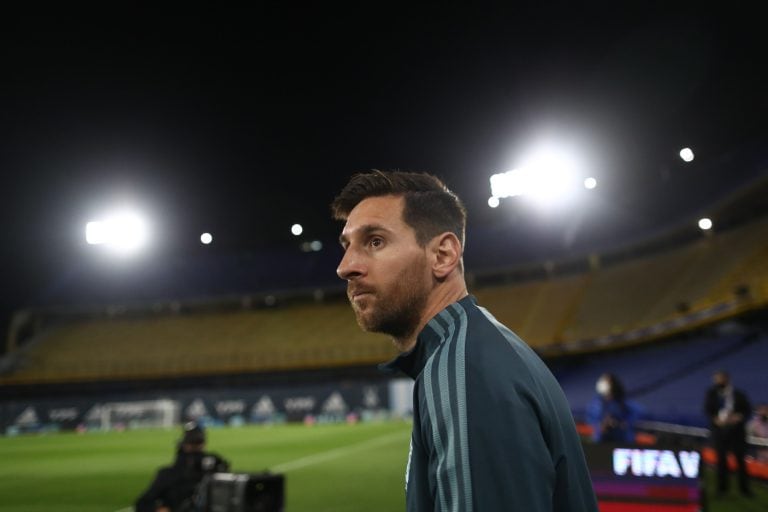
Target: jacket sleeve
[(524, 452), (514, 460)]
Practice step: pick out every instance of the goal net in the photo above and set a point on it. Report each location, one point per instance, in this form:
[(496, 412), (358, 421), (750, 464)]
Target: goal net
[(141, 414)]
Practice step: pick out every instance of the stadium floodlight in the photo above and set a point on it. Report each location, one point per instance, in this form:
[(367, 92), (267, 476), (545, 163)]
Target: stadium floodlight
[(125, 232), (590, 183), (206, 238), (548, 176), (705, 224), (686, 154), (297, 229)]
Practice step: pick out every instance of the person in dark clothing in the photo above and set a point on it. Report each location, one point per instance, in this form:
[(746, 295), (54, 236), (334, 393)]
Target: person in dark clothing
[(728, 410), (611, 416), (174, 486), (492, 429)]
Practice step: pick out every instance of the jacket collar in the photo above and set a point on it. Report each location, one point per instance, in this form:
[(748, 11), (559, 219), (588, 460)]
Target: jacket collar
[(427, 342)]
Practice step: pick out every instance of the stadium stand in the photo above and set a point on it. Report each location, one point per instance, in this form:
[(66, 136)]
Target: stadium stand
[(662, 315), (649, 296), (667, 379), (656, 288), (679, 398), (302, 336), (535, 310)]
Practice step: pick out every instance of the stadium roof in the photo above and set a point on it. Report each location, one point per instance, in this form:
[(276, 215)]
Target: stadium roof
[(242, 122)]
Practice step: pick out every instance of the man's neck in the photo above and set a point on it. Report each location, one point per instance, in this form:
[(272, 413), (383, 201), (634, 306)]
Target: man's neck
[(441, 297)]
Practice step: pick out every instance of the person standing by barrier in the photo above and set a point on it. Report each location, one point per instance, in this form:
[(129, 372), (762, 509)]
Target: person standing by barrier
[(728, 410), (611, 416)]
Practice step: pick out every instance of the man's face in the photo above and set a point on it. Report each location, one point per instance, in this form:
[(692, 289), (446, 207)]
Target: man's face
[(387, 272), (720, 380)]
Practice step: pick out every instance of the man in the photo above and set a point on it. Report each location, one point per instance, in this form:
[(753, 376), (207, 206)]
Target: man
[(728, 410), (174, 487), (492, 429)]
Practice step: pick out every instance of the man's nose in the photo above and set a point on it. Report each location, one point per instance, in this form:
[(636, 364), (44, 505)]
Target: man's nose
[(351, 265)]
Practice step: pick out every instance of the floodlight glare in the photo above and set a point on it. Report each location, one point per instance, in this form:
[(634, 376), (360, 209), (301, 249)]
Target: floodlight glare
[(206, 238), (125, 232), (705, 224), (686, 154), (550, 176), (297, 229), (95, 232), (547, 177)]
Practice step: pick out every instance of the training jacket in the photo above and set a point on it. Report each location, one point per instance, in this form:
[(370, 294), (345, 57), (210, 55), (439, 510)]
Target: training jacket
[(492, 429)]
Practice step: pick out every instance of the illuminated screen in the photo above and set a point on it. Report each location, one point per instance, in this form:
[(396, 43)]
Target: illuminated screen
[(644, 479)]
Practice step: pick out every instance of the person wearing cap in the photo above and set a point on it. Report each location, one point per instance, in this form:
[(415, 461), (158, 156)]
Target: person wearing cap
[(174, 486)]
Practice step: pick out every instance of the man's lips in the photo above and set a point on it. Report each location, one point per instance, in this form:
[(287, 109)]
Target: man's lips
[(357, 293)]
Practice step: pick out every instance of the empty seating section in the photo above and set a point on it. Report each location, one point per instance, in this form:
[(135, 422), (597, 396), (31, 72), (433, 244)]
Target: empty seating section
[(750, 271), (511, 304), (535, 310), (641, 368), (609, 300), (294, 337), (646, 291), (680, 398), (618, 296)]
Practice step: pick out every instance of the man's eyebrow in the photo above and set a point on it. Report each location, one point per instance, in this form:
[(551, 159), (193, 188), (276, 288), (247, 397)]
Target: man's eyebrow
[(363, 231)]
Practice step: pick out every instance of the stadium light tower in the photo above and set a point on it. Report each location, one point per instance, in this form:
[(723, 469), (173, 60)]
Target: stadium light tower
[(125, 232)]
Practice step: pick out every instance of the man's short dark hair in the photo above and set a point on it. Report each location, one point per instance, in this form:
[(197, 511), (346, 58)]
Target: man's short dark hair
[(430, 208)]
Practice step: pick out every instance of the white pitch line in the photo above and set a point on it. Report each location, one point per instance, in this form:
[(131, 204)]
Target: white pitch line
[(335, 453)]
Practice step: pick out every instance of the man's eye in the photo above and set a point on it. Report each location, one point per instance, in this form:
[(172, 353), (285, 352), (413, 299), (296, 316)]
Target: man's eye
[(376, 242)]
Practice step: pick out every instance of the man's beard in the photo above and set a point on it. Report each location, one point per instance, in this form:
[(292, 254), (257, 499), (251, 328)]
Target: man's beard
[(399, 312)]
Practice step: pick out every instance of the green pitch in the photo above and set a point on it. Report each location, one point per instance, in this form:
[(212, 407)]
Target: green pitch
[(333, 468), (327, 467)]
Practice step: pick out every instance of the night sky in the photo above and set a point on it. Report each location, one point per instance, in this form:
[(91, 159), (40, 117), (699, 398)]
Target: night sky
[(243, 121)]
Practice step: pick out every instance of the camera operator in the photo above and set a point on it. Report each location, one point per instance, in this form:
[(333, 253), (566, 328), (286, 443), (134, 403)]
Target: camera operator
[(174, 486)]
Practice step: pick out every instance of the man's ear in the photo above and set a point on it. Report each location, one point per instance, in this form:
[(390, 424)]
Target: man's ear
[(446, 252)]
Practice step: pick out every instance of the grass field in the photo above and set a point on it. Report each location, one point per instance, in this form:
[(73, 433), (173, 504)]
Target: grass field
[(335, 468), (327, 467)]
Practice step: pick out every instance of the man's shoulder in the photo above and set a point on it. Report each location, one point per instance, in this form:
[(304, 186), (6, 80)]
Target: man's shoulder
[(501, 355), (741, 396), (483, 325), (166, 475)]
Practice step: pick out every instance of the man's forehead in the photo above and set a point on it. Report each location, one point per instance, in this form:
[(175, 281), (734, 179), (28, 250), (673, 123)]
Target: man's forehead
[(382, 210)]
